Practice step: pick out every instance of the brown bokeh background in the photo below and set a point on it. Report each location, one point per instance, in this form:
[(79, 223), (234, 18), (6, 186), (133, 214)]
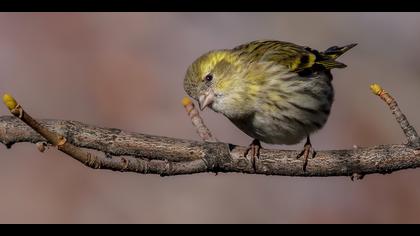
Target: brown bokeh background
[(125, 70)]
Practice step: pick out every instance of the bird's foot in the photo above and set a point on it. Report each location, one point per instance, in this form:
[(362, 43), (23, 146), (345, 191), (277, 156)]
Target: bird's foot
[(255, 148), (305, 153)]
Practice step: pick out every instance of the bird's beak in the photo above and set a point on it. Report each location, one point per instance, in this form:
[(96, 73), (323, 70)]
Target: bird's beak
[(206, 99)]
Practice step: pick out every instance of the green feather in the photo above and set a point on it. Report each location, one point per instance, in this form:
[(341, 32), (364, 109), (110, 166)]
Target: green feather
[(294, 57)]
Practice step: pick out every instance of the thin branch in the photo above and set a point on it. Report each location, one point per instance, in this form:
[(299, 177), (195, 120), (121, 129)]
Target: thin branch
[(55, 139), (197, 121), (148, 154), (409, 131)]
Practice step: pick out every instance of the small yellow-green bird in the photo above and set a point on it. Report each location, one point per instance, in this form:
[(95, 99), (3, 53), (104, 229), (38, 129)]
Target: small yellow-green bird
[(276, 92)]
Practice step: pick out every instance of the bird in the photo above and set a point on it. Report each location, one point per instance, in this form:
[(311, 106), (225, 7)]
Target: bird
[(276, 92)]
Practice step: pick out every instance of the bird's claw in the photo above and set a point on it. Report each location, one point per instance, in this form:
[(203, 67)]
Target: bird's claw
[(305, 153), (255, 148)]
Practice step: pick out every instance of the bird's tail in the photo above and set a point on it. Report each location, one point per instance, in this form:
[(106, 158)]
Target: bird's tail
[(332, 53)]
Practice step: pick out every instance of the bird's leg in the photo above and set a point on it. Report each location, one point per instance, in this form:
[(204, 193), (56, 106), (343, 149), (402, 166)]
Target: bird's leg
[(255, 148), (305, 153)]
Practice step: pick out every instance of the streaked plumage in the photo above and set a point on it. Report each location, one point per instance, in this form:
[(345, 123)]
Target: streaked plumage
[(274, 91)]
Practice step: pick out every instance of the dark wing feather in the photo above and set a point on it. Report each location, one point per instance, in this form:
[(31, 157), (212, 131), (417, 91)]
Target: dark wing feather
[(297, 58)]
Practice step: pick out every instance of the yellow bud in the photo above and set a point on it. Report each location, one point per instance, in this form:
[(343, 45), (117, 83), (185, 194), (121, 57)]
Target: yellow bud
[(376, 89), (186, 101), (9, 101)]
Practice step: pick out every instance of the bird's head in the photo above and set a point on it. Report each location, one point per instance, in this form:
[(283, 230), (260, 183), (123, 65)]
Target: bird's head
[(214, 81)]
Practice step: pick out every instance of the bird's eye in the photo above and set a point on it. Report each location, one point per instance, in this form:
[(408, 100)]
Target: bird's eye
[(209, 77)]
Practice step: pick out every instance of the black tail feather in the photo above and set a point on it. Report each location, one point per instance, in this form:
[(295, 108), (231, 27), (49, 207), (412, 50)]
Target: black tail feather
[(335, 51)]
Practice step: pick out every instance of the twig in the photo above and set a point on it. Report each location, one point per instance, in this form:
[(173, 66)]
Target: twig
[(150, 154), (409, 131), (56, 140), (197, 121)]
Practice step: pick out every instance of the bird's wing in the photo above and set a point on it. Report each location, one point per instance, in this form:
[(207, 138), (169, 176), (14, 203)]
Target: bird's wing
[(294, 57)]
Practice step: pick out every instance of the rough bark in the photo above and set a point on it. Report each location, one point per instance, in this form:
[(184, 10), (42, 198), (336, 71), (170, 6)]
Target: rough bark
[(149, 154)]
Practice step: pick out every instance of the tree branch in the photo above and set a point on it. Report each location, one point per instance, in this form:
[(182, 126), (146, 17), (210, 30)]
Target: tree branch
[(409, 131), (148, 154)]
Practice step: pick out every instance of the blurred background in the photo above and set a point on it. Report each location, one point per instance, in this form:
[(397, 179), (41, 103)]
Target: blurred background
[(125, 70)]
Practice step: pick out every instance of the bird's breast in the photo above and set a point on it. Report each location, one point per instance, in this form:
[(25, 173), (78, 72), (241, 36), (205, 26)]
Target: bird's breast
[(288, 110)]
